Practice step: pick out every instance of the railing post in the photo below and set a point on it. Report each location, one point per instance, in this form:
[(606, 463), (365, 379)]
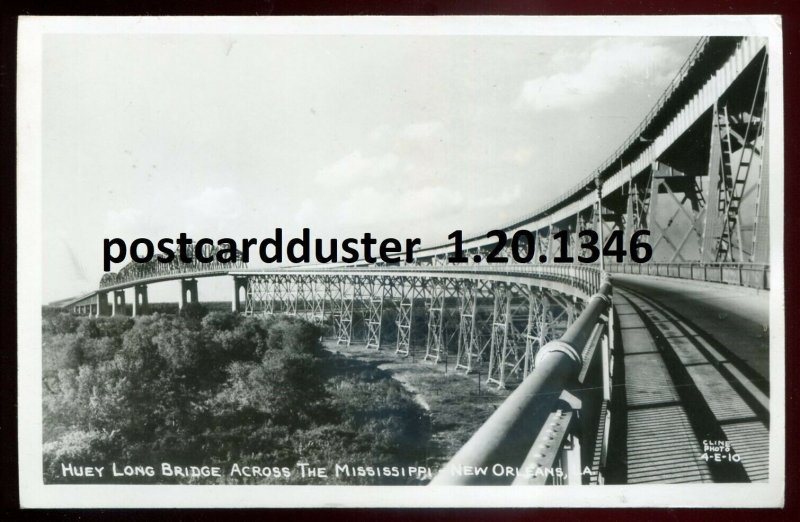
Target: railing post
[(599, 185)]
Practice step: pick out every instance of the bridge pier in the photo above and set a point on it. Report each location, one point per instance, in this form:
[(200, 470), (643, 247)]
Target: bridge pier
[(140, 305), (188, 292), (469, 349), (435, 348), (320, 295), (374, 316), (404, 303), (238, 284), (118, 304), (103, 306), (343, 311)]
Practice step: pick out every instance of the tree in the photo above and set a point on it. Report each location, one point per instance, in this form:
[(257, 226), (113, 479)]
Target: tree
[(295, 335)]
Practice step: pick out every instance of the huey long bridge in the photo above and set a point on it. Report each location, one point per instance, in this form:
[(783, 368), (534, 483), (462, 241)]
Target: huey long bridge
[(623, 372)]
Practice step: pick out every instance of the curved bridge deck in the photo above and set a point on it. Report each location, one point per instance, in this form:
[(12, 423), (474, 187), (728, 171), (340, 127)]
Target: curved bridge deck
[(684, 388)]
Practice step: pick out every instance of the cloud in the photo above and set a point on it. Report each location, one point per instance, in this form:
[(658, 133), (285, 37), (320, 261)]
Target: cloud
[(426, 210), (520, 156), (124, 219), (508, 196), (355, 167), (369, 205), (213, 202), (608, 66), (211, 211), (422, 130)]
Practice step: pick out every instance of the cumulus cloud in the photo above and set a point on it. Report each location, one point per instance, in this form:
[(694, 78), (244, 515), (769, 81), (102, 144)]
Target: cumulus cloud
[(125, 218), (356, 167), (507, 196), (380, 207), (609, 65), (520, 156), (213, 201), (210, 211), (422, 130)]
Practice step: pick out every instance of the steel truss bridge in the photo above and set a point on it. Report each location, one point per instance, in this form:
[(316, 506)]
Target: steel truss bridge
[(612, 382)]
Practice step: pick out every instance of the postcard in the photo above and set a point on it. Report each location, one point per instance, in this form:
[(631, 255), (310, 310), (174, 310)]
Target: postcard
[(455, 261)]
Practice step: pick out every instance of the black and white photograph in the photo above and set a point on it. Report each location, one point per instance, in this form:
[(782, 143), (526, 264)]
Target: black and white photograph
[(288, 262)]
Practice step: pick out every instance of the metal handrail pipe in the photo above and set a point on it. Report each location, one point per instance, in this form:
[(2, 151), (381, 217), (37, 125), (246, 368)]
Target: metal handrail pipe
[(502, 443)]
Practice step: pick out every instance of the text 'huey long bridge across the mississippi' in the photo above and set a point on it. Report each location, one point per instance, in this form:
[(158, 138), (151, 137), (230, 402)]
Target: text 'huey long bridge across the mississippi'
[(619, 376)]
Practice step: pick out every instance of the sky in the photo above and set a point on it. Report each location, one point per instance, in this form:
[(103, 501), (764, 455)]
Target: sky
[(397, 135)]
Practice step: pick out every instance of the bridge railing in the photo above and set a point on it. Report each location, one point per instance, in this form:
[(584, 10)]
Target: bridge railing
[(531, 437), (743, 274), (585, 278)]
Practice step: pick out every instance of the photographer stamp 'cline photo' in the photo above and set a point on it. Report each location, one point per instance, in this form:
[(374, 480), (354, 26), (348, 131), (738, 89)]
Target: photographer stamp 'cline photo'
[(486, 261)]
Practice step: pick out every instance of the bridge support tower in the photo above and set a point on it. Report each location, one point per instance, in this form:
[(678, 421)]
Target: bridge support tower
[(103, 306), (435, 348), (238, 284), (188, 292), (118, 305), (140, 305)]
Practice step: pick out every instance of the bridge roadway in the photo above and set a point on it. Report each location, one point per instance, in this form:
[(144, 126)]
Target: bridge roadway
[(737, 318), (694, 360)]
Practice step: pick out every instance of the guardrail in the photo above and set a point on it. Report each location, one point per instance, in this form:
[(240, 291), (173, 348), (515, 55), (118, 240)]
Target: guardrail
[(531, 437), (743, 274), (586, 278)]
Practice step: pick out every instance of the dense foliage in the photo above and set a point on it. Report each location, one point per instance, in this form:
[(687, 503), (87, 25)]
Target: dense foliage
[(216, 389)]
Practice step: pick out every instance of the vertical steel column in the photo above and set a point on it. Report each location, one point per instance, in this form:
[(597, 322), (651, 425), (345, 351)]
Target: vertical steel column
[(271, 295), (551, 242), (538, 330), (344, 314), (374, 302), (407, 289), (335, 293), (629, 226), (276, 300), (712, 227), (434, 304), (291, 286), (600, 234), (320, 293), (468, 348), (574, 240), (250, 298), (760, 249), (501, 323), (305, 296)]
